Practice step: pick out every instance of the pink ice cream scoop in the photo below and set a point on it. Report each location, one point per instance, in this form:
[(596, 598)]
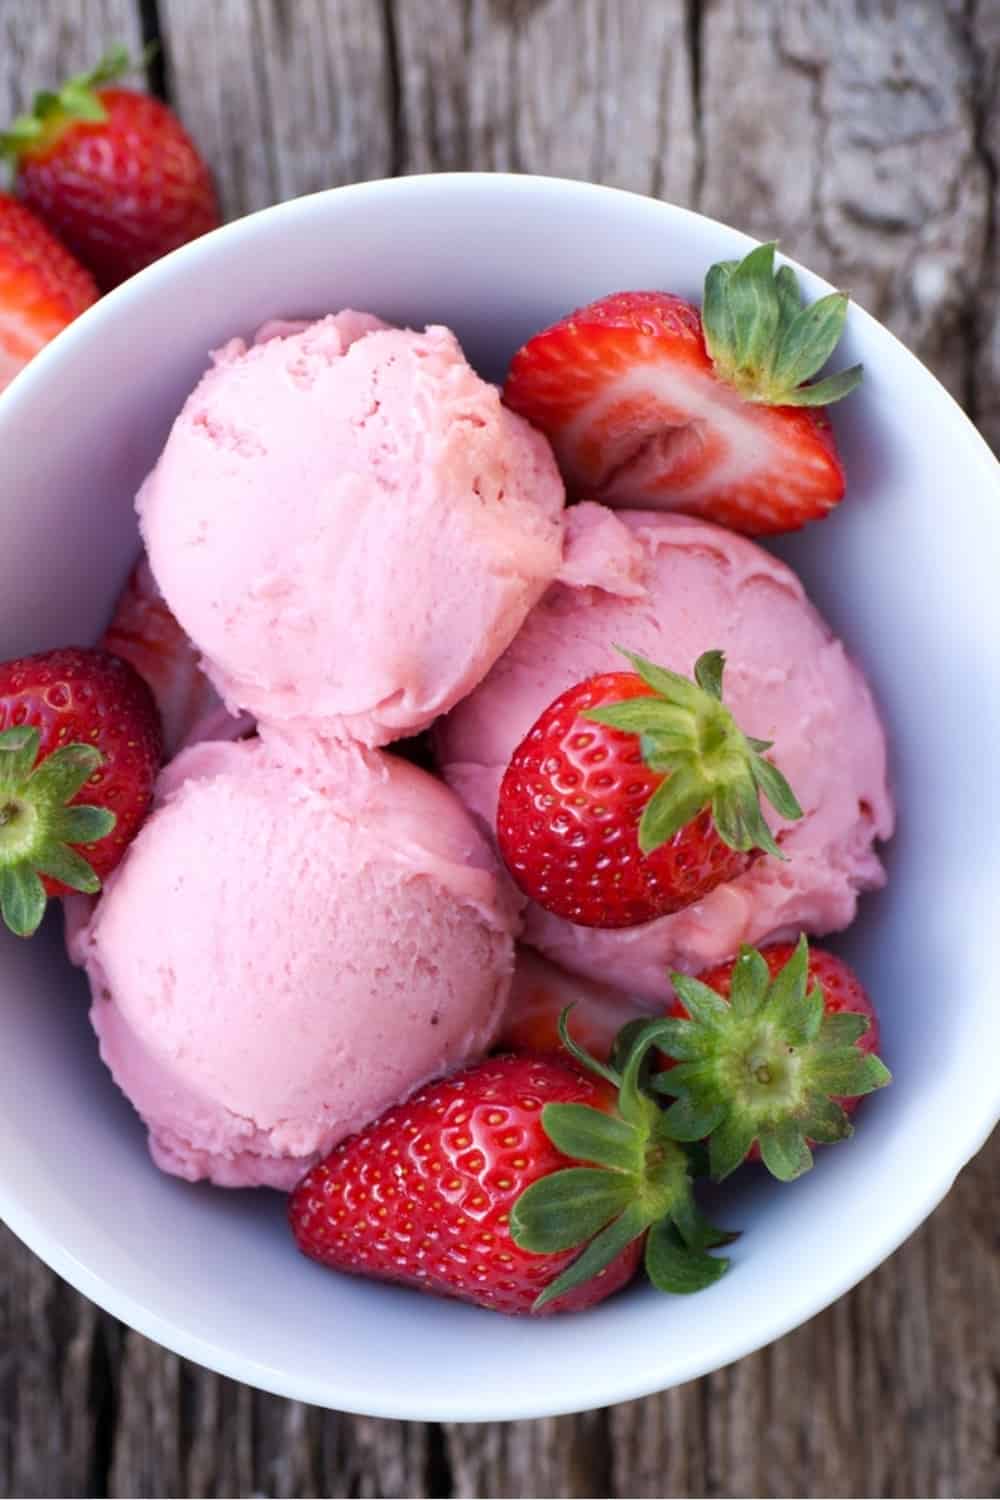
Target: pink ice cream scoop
[(670, 588), (350, 526), (300, 935)]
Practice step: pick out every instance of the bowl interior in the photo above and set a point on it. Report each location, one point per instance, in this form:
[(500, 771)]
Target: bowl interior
[(905, 571)]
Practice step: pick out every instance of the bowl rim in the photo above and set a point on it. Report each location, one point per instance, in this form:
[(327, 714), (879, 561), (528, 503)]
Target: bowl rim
[(332, 1390)]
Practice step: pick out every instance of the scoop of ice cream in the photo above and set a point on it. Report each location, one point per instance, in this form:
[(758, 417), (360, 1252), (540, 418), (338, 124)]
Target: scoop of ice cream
[(670, 588), (350, 526), (300, 935)]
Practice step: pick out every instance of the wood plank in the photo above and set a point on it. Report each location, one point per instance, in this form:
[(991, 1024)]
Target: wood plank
[(982, 320), (284, 99), (868, 135), (850, 129), (598, 89)]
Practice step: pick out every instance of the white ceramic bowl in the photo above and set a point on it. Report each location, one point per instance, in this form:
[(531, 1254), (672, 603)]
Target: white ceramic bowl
[(906, 571)]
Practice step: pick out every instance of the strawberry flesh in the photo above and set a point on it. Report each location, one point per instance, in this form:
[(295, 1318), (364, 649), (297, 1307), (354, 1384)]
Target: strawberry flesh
[(42, 287), (627, 394)]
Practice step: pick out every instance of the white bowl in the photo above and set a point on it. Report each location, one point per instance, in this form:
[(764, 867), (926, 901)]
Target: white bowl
[(906, 571)]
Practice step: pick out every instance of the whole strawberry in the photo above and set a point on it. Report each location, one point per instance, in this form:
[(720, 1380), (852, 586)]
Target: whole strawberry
[(42, 288), (772, 1052), (635, 794), (112, 171), (521, 1184), (79, 751), (542, 992), (649, 402)]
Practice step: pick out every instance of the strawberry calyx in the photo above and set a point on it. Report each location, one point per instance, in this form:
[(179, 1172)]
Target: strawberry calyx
[(37, 826), (689, 736), (637, 1181), (768, 1066), (51, 111), (764, 342)]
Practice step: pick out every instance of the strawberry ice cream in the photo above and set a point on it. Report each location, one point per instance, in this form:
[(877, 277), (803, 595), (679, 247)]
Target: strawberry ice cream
[(300, 935), (671, 588), (350, 526)]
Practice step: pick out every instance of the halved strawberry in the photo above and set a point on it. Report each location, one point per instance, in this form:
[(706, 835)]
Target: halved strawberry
[(42, 288), (648, 402)]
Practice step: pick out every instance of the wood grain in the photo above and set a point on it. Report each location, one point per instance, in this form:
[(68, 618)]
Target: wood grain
[(867, 134)]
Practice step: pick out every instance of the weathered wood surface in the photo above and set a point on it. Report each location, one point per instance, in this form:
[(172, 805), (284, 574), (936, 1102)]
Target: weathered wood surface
[(867, 134)]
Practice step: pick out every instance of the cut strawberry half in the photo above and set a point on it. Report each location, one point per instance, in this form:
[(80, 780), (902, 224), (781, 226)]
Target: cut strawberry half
[(648, 402)]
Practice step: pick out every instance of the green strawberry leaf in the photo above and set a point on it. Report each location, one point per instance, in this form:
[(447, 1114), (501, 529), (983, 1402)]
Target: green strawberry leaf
[(672, 1267), (61, 774), (83, 824), (564, 1209), (601, 1251), (764, 342), (18, 753), (22, 899), (60, 862), (784, 1150), (587, 1134)]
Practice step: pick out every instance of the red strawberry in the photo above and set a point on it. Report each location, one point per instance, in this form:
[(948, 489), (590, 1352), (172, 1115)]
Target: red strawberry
[(473, 1189), (112, 171), (772, 1052), (634, 795), (144, 633), (540, 994), (79, 750), (648, 402), (42, 288)]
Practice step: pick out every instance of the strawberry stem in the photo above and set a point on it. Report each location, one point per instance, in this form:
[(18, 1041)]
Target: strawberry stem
[(768, 1066), (78, 100), (688, 734), (764, 342), (637, 1179), (37, 826)]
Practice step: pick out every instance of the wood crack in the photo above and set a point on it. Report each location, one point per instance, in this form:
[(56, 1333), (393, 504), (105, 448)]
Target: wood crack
[(694, 38), (395, 102), (979, 330)]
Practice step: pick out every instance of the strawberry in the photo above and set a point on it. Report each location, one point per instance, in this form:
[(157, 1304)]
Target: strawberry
[(474, 1189), (541, 993), (144, 633), (772, 1052), (79, 751), (648, 402), (634, 795), (42, 288), (112, 171)]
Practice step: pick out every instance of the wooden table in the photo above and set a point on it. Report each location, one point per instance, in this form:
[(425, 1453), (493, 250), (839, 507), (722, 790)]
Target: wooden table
[(866, 133)]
